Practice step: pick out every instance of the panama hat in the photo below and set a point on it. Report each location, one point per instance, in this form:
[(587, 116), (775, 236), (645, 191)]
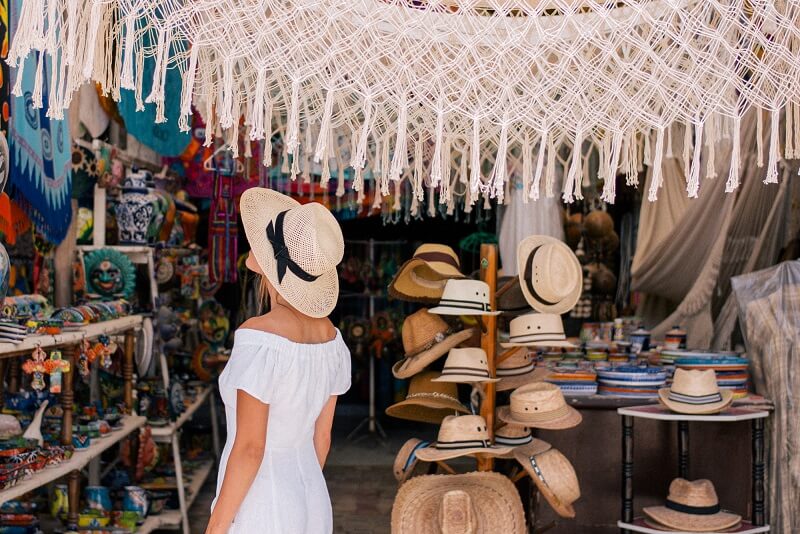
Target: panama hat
[(406, 459), (539, 405), (461, 435), (426, 337), (692, 506), (466, 365), (422, 278), (297, 247), (428, 401), (695, 392), (465, 297), (517, 370), (493, 505), (550, 274), (537, 330), (555, 477), (520, 439)]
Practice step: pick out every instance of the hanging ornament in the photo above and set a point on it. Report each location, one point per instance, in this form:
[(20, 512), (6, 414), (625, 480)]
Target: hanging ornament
[(83, 359), (55, 367), (35, 366), (105, 354)]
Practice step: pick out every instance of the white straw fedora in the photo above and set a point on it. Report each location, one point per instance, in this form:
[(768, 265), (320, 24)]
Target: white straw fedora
[(539, 405), (426, 337), (461, 435), (517, 370), (555, 477), (537, 330), (466, 365), (297, 247), (520, 439), (465, 297), (549, 273), (422, 278), (692, 506), (695, 392)]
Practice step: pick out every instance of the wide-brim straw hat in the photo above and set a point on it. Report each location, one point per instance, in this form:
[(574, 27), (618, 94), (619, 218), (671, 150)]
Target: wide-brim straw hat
[(312, 247), (539, 405), (550, 274), (465, 297), (695, 393), (555, 477), (428, 401), (496, 505), (466, 366), (459, 436), (517, 370), (426, 338), (692, 506), (537, 330), (423, 277), (406, 459), (520, 439)]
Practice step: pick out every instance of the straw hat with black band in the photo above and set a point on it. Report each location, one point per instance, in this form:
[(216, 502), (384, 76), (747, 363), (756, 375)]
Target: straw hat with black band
[(537, 330), (465, 297), (428, 401), (466, 365), (691, 506), (493, 506), (426, 337), (539, 405), (520, 438), (461, 435), (518, 369), (555, 477), (695, 392), (422, 278), (297, 248), (550, 274)]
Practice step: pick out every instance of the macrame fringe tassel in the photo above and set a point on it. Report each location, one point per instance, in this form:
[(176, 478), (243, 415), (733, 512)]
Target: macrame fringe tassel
[(96, 16), (359, 159), (760, 137), (571, 189), (693, 183), (324, 128), (669, 153), (293, 125), (436, 162), (733, 175), (537, 177), (774, 155), (789, 142), (687, 149), (712, 135), (658, 170), (126, 79), (550, 177), (416, 189), (527, 170), (610, 186), (498, 179), (475, 157), (400, 156)]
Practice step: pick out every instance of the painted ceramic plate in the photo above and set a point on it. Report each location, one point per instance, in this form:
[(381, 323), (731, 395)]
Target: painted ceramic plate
[(632, 383)]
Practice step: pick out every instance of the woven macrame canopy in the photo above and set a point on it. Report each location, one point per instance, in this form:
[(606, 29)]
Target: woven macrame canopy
[(462, 96)]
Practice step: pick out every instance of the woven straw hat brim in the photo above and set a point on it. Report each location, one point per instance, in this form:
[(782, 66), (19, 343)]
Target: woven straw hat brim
[(404, 286), (425, 410), (314, 299), (692, 409), (572, 419), (561, 508), (496, 502), (675, 520), (537, 446), (439, 310), (465, 379), (402, 458), (537, 374), (432, 454), (526, 246), (408, 367), (658, 526), (545, 344)]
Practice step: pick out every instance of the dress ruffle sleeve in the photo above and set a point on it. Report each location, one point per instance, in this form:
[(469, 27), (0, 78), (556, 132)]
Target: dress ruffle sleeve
[(252, 369), (342, 377)]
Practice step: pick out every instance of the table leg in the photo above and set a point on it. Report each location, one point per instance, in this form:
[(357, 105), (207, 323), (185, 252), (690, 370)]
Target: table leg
[(627, 470), (182, 497), (683, 449), (74, 493), (127, 372), (68, 397), (759, 466)]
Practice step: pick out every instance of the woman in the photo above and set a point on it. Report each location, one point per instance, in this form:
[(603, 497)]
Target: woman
[(285, 371)]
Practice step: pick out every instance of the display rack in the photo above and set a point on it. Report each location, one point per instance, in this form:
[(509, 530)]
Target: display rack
[(630, 524)]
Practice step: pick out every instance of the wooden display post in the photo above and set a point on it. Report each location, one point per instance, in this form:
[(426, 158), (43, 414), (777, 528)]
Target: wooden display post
[(489, 344)]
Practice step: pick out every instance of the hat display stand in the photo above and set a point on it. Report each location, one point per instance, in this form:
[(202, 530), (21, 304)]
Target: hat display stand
[(629, 523)]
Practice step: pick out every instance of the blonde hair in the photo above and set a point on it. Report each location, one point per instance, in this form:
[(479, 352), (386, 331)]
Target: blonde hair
[(262, 294)]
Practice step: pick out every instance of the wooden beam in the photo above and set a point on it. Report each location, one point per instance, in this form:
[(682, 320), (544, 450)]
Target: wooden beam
[(489, 343)]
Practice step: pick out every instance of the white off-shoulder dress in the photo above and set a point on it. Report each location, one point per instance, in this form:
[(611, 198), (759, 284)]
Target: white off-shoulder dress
[(288, 495)]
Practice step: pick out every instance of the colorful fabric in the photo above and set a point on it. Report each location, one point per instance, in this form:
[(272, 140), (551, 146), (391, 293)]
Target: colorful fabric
[(223, 232), (5, 93)]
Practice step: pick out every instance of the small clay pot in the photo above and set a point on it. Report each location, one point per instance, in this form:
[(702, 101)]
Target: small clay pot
[(611, 242), (598, 224), (572, 234), (604, 282)]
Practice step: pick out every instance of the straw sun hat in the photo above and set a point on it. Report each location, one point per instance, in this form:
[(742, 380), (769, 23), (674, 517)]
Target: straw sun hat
[(695, 392), (465, 297), (518, 369), (539, 405), (462, 435), (422, 278), (436, 504), (520, 438), (537, 330), (406, 459), (428, 401), (549, 273), (426, 337), (692, 506), (297, 247), (555, 477), (466, 365)]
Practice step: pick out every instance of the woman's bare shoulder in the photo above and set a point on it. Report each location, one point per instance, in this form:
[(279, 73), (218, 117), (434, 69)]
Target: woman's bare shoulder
[(312, 331)]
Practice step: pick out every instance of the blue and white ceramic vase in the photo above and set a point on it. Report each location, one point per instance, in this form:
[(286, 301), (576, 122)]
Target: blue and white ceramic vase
[(135, 210)]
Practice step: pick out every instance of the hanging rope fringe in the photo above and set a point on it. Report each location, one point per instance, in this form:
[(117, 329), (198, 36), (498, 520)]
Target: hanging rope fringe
[(261, 111), (475, 157), (610, 185), (693, 183), (400, 156), (733, 176), (658, 170), (436, 161), (789, 142), (126, 79), (687, 149), (669, 153), (360, 155), (571, 189), (537, 177), (498, 179), (325, 128), (527, 170), (774, 151), (711, 143), (550, 177), (760, 137), (417, 190), (293, 125)]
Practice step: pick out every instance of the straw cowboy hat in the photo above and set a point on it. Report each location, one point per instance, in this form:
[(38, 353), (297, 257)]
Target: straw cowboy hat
[(695, 392), (461, 435), (539, 405), (520, 439), (466, 365), (428, 401), (422, 278), (537, 330), (517, 370), (406, 459), (692, 506), (549, 273), (426, 337), (465, 297), (297, 247), (493, 505), (555, 477)]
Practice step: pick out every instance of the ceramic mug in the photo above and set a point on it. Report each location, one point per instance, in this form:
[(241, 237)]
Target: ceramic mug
[(98, 498), (135, 500), (60, 503)]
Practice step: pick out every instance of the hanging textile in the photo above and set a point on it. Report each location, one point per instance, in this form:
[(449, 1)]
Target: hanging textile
[(223, 233), (40, 149), (769, 312), (5, 93)]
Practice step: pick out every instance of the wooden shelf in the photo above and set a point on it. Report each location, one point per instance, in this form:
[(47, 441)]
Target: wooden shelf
[(79, 460), (171, 519), (137, 253), (639, 525), (163, 433), (662, 414)]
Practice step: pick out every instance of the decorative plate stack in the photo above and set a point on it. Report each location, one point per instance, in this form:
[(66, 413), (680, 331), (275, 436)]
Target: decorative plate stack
[(574, 381), (12, 332), (631, 381)]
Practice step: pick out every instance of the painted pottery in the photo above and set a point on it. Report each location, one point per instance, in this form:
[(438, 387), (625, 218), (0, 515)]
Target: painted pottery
[(640, 340), (135, 500), (59, 504), (675, 339), (98, 498)]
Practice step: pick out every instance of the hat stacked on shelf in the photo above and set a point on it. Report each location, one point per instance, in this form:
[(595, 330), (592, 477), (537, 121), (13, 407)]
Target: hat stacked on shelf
[(695, 392), (691, 506)]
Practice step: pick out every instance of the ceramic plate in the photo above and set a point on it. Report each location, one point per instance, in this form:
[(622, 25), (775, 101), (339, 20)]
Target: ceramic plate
[(633, 383)]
